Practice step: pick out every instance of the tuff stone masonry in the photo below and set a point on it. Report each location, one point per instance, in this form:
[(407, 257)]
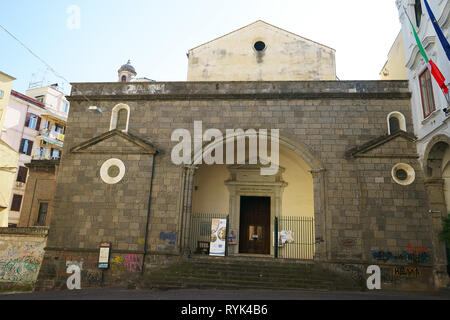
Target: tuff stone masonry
[(340, 128)]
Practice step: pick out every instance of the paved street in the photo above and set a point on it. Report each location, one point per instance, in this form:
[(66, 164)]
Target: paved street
[(191, 295)]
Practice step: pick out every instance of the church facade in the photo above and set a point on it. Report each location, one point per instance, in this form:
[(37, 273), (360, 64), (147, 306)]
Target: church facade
[(347, 161)]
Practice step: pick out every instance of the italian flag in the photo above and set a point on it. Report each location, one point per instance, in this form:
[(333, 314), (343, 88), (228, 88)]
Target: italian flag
[(434, 70)]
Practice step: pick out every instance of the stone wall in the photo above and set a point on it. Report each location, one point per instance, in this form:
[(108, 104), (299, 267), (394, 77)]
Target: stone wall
[(21, 254), (41, 187), (361, 214)]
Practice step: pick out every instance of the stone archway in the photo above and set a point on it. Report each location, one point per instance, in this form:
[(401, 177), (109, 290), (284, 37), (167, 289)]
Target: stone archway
[(436, 167), (317, 171)]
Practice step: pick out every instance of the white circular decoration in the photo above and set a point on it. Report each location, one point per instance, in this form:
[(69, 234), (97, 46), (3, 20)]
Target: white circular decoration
[(109, 164), (403, 174)]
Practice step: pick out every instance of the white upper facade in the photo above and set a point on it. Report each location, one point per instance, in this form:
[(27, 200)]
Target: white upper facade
[(429, 118), (54, 100)]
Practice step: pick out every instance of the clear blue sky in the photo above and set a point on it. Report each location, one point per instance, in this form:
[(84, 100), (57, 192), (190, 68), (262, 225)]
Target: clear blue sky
[(156, 35)]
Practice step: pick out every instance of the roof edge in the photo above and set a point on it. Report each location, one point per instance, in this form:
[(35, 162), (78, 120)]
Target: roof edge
[(239, 29)]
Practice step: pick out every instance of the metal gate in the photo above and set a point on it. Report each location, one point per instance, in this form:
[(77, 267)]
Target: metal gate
[(296, 238)]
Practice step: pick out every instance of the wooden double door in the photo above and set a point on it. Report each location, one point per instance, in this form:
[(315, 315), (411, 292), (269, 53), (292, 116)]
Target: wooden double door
[(255, 225)]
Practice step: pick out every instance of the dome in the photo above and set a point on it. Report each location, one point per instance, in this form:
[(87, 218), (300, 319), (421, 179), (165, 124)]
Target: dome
[(128, 67)]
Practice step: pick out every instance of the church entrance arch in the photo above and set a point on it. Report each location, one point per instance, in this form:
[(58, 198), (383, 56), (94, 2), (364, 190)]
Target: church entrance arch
[(297, 190)]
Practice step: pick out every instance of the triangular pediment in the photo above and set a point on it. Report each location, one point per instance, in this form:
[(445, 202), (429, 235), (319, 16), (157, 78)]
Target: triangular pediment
[(398, 145), (115, 141), (258, 25)]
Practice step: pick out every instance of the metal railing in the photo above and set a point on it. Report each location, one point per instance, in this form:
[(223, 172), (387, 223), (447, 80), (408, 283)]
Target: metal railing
[(201, 228), (296, 238)]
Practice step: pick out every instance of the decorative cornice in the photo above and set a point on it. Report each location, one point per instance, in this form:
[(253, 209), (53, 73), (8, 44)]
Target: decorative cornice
[(147, 147), (267, 90), (359, 152), (427, 43)]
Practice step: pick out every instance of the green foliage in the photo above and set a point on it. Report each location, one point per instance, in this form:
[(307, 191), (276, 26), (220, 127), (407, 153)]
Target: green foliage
[(445, 233)]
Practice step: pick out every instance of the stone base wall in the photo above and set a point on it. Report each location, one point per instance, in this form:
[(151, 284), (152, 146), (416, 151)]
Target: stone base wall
[(125, 268), (402, 277), (21, 254)]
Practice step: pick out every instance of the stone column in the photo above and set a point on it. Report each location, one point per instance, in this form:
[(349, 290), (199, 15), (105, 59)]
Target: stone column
[(322, 231), (435, 189), (188, 177)]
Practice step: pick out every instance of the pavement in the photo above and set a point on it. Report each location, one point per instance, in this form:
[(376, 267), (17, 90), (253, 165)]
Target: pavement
[(228, 295)]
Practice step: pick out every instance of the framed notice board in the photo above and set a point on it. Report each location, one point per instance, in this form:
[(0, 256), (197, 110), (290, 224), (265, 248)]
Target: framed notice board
[(104, 255)]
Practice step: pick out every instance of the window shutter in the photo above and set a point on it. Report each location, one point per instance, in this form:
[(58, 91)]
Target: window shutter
[(30, 148), (22, 175), (27, 120), (38, 124), (21, 146), (16, 203)]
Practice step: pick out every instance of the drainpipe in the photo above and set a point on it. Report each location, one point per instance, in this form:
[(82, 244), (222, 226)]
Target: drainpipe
[(148, 215), (183, 211)]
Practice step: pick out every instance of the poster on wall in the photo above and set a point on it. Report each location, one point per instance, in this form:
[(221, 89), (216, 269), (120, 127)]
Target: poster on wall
[(104, 255), (218, 237), (285, 237), (232, 236)]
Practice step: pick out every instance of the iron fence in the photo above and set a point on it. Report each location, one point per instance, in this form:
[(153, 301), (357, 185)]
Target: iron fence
[(296, 238)]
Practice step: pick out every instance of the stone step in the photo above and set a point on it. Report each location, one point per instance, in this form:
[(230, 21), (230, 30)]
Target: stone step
[(239, 268), (238, 277), (221, 284), (244, 273), (239, 273)]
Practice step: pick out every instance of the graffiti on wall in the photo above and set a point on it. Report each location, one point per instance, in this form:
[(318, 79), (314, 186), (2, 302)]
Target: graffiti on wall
[(411, 255), (406, 272), (127, 262), (20, 263), (170, 237)]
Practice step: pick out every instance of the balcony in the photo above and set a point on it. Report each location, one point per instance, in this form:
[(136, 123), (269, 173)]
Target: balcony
[(52, 137)]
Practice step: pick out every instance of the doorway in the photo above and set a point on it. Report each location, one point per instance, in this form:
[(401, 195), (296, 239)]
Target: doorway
[(255, 225)]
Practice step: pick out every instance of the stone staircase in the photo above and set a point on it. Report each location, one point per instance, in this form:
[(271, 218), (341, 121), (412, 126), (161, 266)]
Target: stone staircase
[(246, 273)]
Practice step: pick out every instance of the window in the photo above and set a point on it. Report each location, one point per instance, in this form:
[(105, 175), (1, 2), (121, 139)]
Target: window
[(1, 94), (418, 12), (26, 146), (120, 118), (42, 215), (59, 128), (65, 107), (396, 122), (33, 121), (259, 46), (40, 98), (394, 125), (426, 90), (403, 174), (22, 174), (16, 203), (55, 154), (124, 78)]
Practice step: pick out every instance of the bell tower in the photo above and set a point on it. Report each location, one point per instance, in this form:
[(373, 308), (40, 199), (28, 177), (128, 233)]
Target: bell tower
[(126, 72)]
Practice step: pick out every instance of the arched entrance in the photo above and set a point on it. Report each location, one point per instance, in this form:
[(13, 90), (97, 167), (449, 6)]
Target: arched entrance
[(437, 169), (296, 192)]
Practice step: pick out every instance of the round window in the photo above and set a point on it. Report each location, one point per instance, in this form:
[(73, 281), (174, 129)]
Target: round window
[(112, 171), (259, 46), (403, 174)]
